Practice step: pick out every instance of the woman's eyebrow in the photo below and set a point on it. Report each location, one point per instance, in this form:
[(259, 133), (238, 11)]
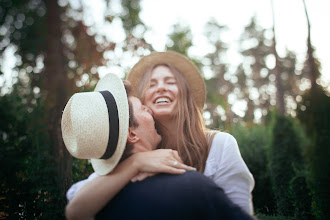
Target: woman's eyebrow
[(169, 77)]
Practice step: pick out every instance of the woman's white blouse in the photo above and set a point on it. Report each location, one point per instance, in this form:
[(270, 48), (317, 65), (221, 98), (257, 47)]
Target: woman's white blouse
[(227, 169), (224, 166)]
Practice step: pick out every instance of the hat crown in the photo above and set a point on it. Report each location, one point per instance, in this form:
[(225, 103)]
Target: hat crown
[(88, 118), (89, 125)]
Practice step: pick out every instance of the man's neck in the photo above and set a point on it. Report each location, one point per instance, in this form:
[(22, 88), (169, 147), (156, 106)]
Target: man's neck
[(141, 146)]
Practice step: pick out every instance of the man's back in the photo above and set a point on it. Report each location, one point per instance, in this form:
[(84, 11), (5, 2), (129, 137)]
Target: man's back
[(187, 196)]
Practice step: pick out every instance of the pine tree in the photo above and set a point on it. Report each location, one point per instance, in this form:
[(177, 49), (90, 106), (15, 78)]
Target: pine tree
[(284, 156)]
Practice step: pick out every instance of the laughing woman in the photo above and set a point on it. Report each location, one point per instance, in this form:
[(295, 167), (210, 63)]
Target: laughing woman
[(173, 88)]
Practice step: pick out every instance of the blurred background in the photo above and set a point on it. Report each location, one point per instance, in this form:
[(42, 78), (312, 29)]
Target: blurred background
[(265, 64)]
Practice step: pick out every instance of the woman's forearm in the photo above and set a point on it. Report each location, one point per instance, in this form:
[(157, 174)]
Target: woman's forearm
[(97, 193)]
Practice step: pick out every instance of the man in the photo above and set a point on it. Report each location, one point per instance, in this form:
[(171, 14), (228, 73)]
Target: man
[(164, 196)]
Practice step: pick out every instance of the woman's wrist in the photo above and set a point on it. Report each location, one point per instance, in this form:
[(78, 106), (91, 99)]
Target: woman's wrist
[(133, 163)]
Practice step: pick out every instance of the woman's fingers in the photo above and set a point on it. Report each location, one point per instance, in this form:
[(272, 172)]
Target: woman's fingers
[(176, 156), (142, 176), (180, 165), (175, 167)]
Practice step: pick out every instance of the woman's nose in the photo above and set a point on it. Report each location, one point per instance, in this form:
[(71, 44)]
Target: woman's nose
[(161, 87)]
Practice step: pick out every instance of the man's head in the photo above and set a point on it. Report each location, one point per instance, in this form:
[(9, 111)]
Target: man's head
[(142, 135), (99, 125)]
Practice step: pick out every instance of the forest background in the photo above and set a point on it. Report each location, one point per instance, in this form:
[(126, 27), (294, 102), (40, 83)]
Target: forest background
[(283, 134)]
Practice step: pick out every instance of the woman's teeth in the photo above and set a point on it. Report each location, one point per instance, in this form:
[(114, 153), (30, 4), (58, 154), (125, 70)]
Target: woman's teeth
[(162, 100)]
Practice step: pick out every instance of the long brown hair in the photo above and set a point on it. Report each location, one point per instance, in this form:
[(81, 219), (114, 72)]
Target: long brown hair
[(191, 142)]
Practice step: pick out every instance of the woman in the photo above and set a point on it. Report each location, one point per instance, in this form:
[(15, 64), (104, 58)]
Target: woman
[(173, 88)]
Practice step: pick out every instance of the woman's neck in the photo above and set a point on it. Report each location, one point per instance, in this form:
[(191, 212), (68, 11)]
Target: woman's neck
[(169, 132)]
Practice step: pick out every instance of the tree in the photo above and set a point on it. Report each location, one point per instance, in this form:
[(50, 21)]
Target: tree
[(311, 62), (278, 72), (56, 55), (219, 85), (254, 141), (180, 39), (313, 112), (284, 156), (255, 76), (133, 27)]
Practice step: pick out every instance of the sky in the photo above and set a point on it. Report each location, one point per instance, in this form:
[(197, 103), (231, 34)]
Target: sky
[(290, 24), (161, 15)]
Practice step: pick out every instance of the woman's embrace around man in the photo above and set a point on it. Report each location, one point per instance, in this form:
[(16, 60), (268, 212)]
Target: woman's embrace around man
[(117, 132)]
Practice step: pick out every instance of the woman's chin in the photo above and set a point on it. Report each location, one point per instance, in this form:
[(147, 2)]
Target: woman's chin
[(163, 115), (164, 111)]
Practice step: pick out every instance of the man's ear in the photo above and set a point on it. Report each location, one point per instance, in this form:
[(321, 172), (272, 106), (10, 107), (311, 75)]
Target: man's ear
[(132, 137)]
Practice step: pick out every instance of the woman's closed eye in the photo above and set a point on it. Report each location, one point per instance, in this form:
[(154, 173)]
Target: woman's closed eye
[(171, 82), (152, 84)]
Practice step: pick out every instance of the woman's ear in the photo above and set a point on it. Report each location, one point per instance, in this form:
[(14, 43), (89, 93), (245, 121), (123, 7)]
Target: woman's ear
[(132, 137)]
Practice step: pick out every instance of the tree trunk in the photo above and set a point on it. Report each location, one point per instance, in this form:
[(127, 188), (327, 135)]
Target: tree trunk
[(278, 82), (56, 86), (313, 70)]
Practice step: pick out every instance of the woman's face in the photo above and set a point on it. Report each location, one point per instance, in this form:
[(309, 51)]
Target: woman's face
[(161, 96)]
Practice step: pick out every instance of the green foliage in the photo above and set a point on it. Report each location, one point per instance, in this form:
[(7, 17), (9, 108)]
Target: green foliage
[(272, 217), (28, 186), (23, 23), (81, 169), (301, 196), (316, 117), (284, 156), (131, 16), (253, 142), (218, 86), (180, 39)]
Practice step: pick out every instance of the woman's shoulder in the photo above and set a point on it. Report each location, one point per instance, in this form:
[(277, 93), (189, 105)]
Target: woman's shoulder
[(222, 144), (222, 138)]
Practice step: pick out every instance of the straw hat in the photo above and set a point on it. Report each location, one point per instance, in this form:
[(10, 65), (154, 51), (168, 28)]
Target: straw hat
[(95, 124), (178, 61)]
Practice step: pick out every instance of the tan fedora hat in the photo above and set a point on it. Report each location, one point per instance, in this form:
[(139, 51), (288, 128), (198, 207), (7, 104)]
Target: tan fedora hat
[(95, 124), (179, 62)]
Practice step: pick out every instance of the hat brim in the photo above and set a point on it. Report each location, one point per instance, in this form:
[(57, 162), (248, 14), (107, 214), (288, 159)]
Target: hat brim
[(115, 85), (178, 61)]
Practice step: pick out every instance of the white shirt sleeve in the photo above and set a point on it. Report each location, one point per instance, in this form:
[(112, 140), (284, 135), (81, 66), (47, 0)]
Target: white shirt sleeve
[(77, 186), (226, 168)]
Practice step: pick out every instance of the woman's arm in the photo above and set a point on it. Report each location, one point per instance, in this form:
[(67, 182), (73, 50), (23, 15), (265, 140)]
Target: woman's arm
[(97, 193)]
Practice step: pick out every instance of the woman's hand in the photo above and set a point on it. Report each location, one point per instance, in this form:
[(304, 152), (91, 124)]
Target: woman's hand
[(158, 161)]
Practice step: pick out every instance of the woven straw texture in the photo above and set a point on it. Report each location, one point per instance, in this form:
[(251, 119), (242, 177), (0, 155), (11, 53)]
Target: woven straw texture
[(85, 124)]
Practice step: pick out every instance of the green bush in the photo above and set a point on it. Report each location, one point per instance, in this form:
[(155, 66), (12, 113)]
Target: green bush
[(253, 142), (81, 169), (316, 118), (28, 184), (273, 217), (286, 165)]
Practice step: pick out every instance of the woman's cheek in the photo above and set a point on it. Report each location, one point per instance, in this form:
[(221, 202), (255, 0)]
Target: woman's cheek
[(152, 109)]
